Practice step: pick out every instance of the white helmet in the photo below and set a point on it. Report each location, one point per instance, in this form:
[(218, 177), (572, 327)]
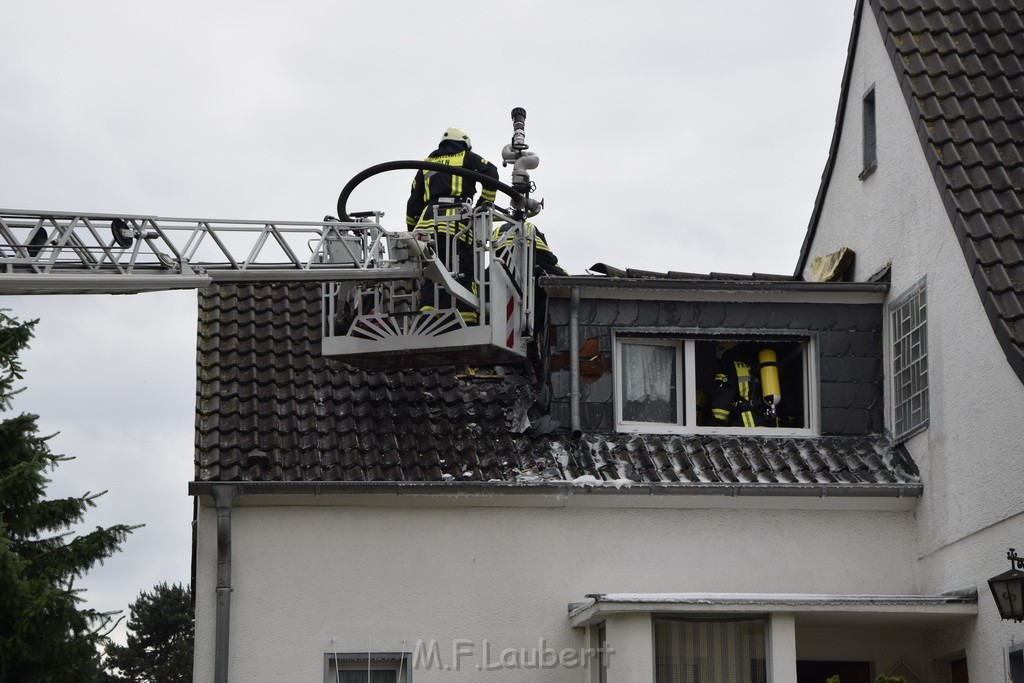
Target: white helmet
[(457, 135)]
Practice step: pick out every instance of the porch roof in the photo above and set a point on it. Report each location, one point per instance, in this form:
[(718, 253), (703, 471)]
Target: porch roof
[(818, 610)]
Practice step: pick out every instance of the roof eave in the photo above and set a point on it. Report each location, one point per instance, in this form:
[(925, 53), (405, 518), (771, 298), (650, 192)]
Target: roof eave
[(561, 287), (564, 493), (929, 607)]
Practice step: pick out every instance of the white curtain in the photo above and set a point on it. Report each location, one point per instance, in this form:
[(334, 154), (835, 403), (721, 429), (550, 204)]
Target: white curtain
[(649, 383), (648, 372), (710, 651)]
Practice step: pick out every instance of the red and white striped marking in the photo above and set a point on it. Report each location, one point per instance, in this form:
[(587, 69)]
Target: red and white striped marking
[(510, 322)]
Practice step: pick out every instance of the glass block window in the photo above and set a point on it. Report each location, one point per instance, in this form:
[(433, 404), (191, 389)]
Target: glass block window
[(909, 362)]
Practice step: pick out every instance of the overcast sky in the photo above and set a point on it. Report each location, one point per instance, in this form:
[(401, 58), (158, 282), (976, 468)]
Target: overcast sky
[(673, 135)]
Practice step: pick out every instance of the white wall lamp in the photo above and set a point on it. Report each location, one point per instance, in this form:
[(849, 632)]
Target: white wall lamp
[(1008, 589)]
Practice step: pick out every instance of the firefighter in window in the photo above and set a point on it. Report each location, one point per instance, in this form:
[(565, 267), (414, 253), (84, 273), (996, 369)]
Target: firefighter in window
[(746, 391)]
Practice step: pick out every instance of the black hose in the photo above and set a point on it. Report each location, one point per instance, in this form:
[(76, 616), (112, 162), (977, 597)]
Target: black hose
[(486, 180)]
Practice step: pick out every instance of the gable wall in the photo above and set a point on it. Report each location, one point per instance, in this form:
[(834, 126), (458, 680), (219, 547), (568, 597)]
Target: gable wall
[(848, 337), (971, 455)]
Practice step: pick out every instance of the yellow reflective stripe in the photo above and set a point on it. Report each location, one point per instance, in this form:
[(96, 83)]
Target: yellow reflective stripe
[(743, 379), (748, 419), (720, 414), (488, 195), (426, 185)]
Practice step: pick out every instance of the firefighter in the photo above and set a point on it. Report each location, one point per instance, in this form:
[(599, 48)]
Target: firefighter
[(443, 192), (736, 399), (544, 263), (544, 260)]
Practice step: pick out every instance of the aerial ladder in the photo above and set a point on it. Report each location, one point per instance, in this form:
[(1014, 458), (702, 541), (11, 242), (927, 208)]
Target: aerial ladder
[(370, 276)]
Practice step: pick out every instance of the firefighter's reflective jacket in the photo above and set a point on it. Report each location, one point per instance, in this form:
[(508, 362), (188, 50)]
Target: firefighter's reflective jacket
[(430, 188), (544, 260), (736, 400)]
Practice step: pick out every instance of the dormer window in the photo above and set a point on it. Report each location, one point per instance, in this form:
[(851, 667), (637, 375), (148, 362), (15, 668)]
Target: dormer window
[(715, 385)]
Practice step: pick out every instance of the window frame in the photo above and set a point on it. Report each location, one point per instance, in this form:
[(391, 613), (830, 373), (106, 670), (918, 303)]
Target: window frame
[(869, 134), (399, 662), (685, 341), (902, 432), (699, 618), (599, 643), (682, 405), (1013, 663)]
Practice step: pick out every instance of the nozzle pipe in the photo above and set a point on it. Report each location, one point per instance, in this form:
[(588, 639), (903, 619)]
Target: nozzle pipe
[(518, 117), (519, 129)]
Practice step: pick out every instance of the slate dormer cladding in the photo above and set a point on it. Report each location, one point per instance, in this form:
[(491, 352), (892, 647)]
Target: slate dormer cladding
[(961, 68), (271, 409), (848, 337)]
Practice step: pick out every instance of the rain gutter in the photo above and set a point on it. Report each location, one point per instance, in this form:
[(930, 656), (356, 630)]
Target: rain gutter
[(561, 488), (223, 498)]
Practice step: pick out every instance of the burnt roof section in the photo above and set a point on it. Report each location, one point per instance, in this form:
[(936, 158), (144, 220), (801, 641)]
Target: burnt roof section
[(612, 271), (610, 277), (961, 69), (270, 408)]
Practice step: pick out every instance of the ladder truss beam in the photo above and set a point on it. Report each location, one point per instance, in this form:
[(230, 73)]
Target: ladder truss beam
[(60, 252)]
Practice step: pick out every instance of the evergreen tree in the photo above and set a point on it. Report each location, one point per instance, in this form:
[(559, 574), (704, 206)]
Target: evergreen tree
[(45, 633), (161, 634)]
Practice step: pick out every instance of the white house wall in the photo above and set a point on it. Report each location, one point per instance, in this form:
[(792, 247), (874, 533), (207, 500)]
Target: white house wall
[(971, 454), (309, 580)]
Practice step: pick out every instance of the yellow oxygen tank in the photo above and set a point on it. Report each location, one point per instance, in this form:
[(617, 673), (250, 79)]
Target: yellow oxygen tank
[(770, 389)]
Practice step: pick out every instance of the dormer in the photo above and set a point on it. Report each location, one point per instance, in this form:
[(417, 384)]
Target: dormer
[(650, 347)]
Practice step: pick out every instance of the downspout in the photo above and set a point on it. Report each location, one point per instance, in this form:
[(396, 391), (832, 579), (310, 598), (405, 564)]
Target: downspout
[(223, 498), (574, 361)]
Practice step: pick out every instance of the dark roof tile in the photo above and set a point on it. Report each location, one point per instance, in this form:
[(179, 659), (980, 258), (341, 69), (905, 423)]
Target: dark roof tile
[(961, 65)]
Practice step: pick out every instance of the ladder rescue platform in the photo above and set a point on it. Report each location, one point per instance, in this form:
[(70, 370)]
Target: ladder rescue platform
[(373, 280)]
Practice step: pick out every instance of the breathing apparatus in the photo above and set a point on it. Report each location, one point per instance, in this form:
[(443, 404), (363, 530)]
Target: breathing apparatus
[(771, 390)]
